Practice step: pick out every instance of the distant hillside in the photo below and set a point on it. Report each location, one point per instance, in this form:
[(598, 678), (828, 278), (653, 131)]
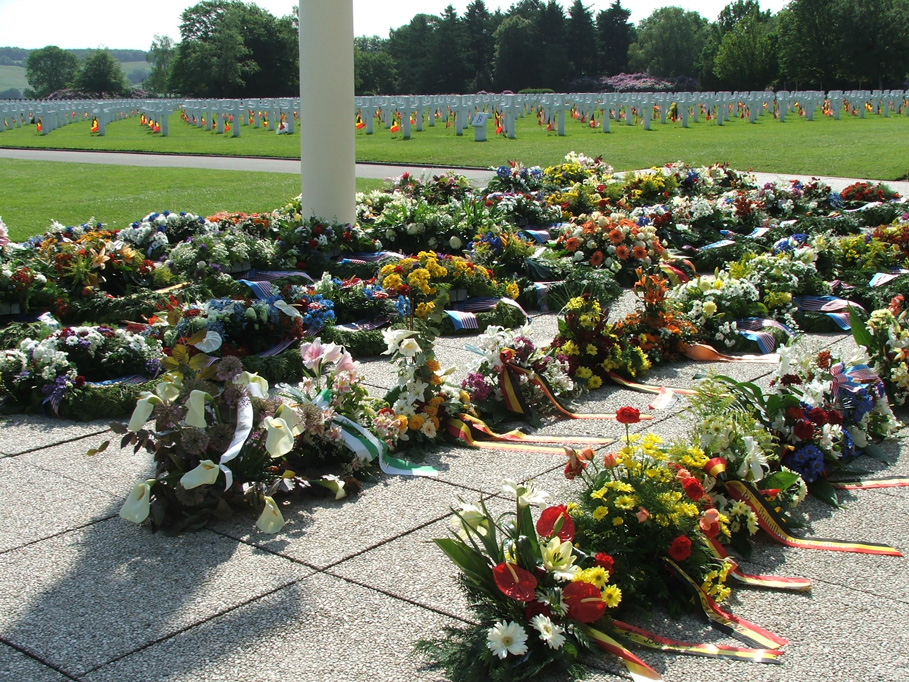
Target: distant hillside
[(12, 66)]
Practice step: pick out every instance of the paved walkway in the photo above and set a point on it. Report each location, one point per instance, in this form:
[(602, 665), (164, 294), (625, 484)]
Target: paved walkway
[(345, 589), (364, 170)]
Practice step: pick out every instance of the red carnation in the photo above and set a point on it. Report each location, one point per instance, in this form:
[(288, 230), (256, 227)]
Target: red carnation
[(515, 582), (834, 417), (604, 560), (79, 381), (693, 489), (795, 413), (549, 519), (628, 415), (584, 601), (803, 429), (680, 548)]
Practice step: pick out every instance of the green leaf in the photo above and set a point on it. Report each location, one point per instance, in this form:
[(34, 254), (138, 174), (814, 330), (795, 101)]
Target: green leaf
[(872, 450), (781, 480), (101, 448), (859, 331), (470, 562), (741, 543), (822, 490)]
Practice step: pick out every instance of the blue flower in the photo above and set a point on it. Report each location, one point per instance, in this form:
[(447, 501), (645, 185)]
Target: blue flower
[(808, 461), (503, 172)]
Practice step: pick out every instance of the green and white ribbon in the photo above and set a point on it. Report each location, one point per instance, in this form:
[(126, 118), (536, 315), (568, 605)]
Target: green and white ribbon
[(241, 433)]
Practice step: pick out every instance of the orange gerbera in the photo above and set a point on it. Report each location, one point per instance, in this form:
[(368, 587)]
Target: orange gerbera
[(573, 244), (596, 259), (639, 252), (657, 247), (622, 252), (616, 236)]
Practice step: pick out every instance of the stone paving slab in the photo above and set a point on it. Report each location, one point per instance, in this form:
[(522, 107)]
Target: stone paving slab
[(83, 598), (23, 433), (321, 628), (36, 504), (17, 667)]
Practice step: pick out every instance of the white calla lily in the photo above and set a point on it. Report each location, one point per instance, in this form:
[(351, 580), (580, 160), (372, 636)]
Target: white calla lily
[(138, 504), (280, 438), (288, 414), (258, 386), (195, 415), (168, 391), (334, 484), (210, 343), (204, 474), (270, 520), (143, 410)]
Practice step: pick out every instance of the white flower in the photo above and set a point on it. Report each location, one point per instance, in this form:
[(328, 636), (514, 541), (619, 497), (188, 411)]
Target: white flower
[(270, 520), (143, 410), (195, 415), (506, 638), (428, 429), (258, 386), (409, 348), (455, 243), (525, 494), (280, 438), (549, 631), (210, 343), (558, 559), (393, 339), (754, 461), (334, 484), (138, 504), (204, 474)]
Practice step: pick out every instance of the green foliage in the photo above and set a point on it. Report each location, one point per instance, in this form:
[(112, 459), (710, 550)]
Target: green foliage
[(615, 34), (101, 74), (669, 43), (49, 69)]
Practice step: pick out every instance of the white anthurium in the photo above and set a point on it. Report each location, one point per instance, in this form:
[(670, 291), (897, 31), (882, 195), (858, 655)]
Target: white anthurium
[(195, 414), (143, 410), (138, 504), (286, 308), (204, 474), (290, 415), (334, 484), (258, 386), (280, 438), (210, 343), (270, 520)]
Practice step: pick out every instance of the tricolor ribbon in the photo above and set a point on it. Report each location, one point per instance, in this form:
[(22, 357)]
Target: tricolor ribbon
[(871, 484), (515, 436), (776, 527), (639, 671), (466, 432), (654, 641), (722, 620), (768, 581), (752, 328), (666, 395), (704, 353)]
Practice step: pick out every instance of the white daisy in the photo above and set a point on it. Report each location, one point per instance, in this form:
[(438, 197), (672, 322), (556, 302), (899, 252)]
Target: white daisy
[(506, 638), (549, 631)]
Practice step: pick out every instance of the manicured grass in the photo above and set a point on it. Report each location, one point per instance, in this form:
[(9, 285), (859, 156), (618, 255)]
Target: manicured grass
[(873, 147), (35, 193)]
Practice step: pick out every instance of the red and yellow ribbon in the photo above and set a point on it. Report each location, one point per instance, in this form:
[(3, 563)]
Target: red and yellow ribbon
[(481, 427), (654, 641), (871, 484), (639, 671), (771, 522), (464, 432), (769, 581), (724, 621), (704, 353)]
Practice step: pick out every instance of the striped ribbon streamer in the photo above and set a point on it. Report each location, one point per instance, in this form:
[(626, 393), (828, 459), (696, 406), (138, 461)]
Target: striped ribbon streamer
[(481, 304), (514, 399), (837, 309), (768, 581), (654, 641), (704, 353), (639, 671), (262, 289), (882, 278), (675, 275), (717, 245), (279, 347), (871, 484), (272, 275), (666, 396), (539, 236), (722, 620), (542, 289), (464, 432), (752, 329), (776, 527), (479, 426), (373, 256), (462, 320), (132, 379)]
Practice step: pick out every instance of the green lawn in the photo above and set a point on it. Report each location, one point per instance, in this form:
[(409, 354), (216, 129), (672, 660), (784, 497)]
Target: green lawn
[(874, 147), (35, 193)]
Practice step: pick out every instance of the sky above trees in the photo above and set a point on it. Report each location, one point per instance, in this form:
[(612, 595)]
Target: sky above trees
[(108, 23)]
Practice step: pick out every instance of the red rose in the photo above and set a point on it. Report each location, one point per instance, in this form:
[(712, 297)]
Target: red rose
[(604, 560), (693, 489), (803, 429), (817, 416), (79, 381), (680, 548), (549, 519), (628, 415), (834, 417)]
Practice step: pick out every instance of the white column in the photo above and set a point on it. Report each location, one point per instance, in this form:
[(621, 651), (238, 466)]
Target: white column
[(328, 157)]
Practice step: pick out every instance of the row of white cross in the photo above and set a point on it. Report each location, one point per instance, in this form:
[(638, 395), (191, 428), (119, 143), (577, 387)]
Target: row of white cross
[(410, 111)]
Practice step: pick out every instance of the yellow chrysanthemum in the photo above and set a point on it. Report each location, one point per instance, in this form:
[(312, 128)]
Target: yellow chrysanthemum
[(416, 422), (600, 512), (612, 595), (597, 576)]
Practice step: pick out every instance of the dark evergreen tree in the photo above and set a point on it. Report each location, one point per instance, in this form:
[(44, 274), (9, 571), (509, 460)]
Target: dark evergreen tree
[(615, 33), (581, 32)]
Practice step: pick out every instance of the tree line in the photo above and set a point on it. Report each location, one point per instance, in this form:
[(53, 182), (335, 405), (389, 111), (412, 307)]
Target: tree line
[(231, 49)]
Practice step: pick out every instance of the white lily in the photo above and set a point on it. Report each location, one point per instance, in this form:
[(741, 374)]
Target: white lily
[(143, 410), (258, 386), (270, 520), (168, 391), (409, 348), (558, 559), (204, 474), (280, 439), (754, 462), (195, 415), (393, 339), (334, 484), (138, 504), (525, 494)]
